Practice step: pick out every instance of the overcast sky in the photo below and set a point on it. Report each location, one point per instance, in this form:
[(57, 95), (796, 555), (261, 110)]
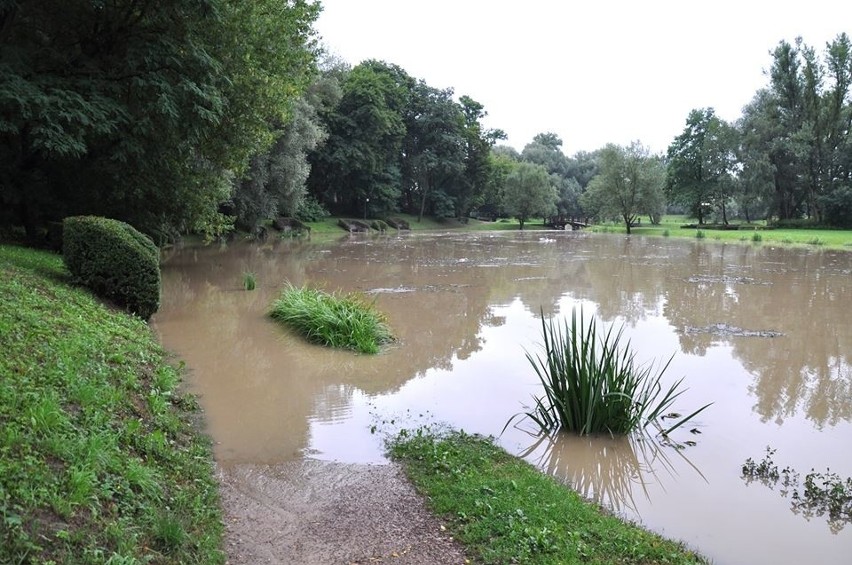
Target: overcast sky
[(593, 72)]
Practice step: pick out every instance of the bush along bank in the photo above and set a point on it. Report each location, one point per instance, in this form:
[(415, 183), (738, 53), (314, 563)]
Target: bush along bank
[(99, 460)]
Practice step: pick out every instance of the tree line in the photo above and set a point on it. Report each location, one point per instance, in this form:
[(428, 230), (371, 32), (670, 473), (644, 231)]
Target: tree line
[(204, 115)]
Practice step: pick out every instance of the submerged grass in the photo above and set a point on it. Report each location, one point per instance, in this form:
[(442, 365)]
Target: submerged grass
[(344, 321), (592, 383), (99, 460), (504, 511)]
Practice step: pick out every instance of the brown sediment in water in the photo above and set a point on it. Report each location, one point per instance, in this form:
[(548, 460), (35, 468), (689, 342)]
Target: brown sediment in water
[(464, 307)]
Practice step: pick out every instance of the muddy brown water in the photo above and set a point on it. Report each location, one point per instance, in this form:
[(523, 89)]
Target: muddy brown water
[(764, 333)]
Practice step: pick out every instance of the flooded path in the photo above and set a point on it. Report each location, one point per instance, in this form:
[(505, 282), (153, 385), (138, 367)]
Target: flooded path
[(763, 333)]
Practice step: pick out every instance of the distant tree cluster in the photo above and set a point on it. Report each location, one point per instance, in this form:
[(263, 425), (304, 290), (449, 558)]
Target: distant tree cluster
[(789, 157), (200, 115)]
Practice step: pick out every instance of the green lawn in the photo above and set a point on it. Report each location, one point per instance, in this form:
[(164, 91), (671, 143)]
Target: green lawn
[(99, 459), (505, 511), (756, 233)]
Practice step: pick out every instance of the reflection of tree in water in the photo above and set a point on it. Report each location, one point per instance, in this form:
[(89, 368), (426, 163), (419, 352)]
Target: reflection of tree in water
[(802, 295), (609, 470), (448, 285)]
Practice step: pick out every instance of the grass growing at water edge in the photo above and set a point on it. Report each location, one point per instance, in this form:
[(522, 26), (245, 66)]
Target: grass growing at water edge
[(99, 462), (592, 383), (504, 511), (345, 321), (249, 281)]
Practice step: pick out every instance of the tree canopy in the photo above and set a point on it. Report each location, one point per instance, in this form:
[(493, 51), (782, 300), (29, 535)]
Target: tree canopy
[(141, 110), (630, 183)]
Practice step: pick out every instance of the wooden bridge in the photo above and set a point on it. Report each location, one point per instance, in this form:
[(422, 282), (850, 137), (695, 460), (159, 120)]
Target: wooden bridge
[(562, 224)]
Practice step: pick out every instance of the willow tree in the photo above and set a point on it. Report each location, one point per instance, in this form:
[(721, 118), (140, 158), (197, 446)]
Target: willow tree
[(629, 184)]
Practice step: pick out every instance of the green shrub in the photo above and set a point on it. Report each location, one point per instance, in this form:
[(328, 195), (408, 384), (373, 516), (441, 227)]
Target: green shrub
[(113, 260)]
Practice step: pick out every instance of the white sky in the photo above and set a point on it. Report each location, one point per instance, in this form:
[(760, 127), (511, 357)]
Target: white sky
[(593, 72)]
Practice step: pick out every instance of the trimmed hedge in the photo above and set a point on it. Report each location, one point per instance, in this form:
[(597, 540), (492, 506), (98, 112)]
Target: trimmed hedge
[(113, 260)]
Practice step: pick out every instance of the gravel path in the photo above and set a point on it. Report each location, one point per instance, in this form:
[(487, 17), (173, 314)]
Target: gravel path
[(316, 512)]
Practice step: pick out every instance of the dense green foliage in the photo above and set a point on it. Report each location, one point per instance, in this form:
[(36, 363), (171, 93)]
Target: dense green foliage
[(790, 154), (702, 165), (333, 320), (396, 143), (99, 462), (504, 511), (592, 383), (629, 183), (114, 260), (528, 192), (141, 110)]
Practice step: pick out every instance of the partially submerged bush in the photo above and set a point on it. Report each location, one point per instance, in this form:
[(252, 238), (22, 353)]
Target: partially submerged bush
[(593, 385), (115, 261), (337, 321)]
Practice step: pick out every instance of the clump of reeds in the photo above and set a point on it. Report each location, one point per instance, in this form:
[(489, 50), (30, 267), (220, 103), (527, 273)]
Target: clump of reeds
[(249, 280), (592, 383), (344, 321)]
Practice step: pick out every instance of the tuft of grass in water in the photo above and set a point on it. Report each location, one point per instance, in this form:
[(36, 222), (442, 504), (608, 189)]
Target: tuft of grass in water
[(757, 237), (816, 241), (592, 383), (700, 234), (344, 321), (249, 280), (505, 511), (666, 232), (96, 441)]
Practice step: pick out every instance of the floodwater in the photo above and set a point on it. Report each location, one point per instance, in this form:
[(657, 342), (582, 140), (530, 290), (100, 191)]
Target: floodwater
[(763, 333)]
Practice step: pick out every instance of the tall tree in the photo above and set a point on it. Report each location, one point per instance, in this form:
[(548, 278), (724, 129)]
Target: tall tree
[(529, 192), (275, 182), (630, 182), (478, 141), (360, 161), (433, 151), (139, 109), (700, 165)]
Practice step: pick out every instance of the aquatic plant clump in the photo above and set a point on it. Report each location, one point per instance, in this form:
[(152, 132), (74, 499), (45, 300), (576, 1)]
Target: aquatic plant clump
[(592, 383), (343, 321)]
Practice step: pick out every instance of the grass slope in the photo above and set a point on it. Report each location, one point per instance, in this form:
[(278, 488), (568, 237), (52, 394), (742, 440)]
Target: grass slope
[(99, 462), (505, 511)]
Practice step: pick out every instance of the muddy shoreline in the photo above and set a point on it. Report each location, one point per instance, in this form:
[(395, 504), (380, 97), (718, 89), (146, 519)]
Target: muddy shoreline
[(317, 512)]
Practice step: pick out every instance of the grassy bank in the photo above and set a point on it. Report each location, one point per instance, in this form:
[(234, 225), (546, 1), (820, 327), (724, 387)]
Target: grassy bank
[(756, 233), (99, 462), (329, 225), (505, 511)]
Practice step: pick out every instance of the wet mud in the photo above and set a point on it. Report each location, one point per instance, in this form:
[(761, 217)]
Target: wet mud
[(320, 513)]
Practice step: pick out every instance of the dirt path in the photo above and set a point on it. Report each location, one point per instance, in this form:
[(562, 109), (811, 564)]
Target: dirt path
[(315, 512)]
